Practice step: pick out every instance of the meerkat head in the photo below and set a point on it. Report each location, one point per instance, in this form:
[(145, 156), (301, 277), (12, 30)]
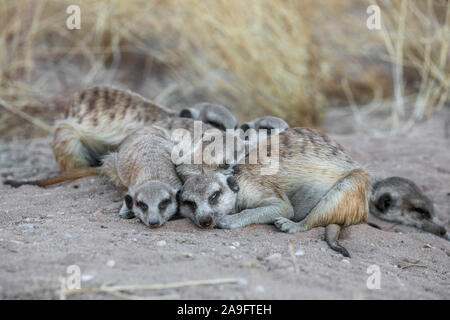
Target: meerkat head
[(207, 197), (251, 129), (154, 203), (267, 122), (400, 200), (214, 114)]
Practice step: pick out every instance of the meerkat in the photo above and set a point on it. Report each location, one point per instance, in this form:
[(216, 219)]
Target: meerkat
[(267, 122), (144, 168), (323, 186), (99, 119), (400, 200), (317, 185), (211, 113)]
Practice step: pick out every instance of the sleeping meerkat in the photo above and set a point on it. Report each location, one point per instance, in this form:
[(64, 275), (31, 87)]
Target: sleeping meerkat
[(324, 186), (99, 119), (317, 185), (144, 168), (211, 113), (268, 122), (400, 200)]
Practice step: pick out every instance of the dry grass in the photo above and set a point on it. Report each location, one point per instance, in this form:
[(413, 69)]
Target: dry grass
[(292, 59)]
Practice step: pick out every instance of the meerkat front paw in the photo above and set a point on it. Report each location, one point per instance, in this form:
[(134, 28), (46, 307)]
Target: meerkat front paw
[(286, 225), (227, 222)]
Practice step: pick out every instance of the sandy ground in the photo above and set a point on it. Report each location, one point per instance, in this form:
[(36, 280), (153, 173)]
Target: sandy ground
[(43, 231)]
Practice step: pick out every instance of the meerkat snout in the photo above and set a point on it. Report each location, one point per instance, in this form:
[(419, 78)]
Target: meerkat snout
[(268, 123), (400, 200), (206, 198), (154, 203), (214, 114)]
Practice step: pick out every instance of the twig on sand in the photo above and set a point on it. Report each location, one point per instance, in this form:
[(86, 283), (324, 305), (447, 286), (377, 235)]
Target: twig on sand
[(38, 123), (135, 297), (114, 289), (291, 251), (413, 265)]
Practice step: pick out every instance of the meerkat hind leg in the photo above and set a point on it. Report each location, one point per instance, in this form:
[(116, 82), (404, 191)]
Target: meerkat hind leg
[(344, 204), (303, 201)]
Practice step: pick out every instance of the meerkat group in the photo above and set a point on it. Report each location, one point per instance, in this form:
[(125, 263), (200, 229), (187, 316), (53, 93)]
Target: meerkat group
[(128, 138)]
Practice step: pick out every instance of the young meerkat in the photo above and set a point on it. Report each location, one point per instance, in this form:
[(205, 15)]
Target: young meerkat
[(317, 185), (144, 168), (400, 200), (267, 122), (99, 119)]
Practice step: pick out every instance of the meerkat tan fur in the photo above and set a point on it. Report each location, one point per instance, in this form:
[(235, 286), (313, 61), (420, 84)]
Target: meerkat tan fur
[(317, 185)]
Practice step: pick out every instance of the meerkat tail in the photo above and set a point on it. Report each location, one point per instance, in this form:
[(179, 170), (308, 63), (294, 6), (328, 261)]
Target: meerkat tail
[(61, 177), (332, 232)]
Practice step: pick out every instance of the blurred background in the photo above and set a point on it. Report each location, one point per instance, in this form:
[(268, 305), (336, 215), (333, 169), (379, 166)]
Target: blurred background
[(312, 62)]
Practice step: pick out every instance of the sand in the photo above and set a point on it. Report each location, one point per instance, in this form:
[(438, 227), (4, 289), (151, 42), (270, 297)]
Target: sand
[(44, 231)]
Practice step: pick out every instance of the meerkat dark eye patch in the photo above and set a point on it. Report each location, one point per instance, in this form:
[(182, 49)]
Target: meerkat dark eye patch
[(233, 183), (164, 204), (384, 202), (190, 204), (129, 201), (423, 213), (214, 197), (142, 205)]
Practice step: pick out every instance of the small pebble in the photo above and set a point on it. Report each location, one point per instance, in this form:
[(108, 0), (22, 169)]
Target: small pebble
[(66, 236), (236, 244), (188, 255), (232, 247), (275, 256), (110, 263), (259, 289), (161, 243), (299, 253), (345, 261), (28, 227)]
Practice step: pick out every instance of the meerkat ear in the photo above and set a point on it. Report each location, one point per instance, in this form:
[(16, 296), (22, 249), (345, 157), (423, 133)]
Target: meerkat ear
[(233, 183), (129, 201), (190, 113), (384, 202)]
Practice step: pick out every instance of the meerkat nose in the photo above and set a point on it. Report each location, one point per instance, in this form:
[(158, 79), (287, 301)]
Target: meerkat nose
[(153, 224), (205, 221)]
